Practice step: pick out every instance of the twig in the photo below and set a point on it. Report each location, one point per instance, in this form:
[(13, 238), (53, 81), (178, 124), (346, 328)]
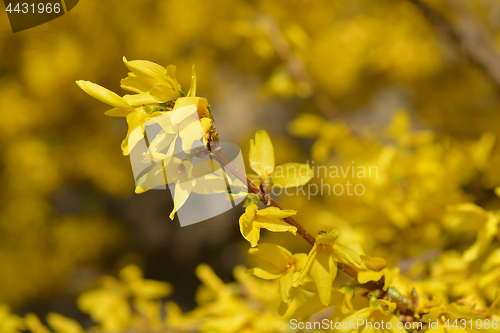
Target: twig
[(404, 304), (217, 152)]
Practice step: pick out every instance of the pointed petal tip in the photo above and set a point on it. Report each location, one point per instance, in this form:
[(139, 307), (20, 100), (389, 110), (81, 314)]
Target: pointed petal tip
[(139, 190), (81, 83)]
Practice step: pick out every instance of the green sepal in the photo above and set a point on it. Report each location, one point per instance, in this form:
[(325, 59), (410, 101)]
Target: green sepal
[(251, 201)]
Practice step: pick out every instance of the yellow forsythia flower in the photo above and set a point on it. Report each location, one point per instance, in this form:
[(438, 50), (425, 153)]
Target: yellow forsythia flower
[(278, 263), (322, 263), (270, 218), (146, 76), (114, 303), (262, 162), (133, 107), (157, 92)]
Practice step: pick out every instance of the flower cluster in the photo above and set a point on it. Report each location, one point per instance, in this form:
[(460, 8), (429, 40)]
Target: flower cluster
[(458, 286), (159, 99), (307, 283)]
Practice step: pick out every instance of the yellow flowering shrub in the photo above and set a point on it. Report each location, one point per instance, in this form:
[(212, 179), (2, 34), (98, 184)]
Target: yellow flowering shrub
[(456, 289), (400, 222)]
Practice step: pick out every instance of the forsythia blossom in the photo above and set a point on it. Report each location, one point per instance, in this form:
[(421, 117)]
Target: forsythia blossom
[(261, 159), (270, 218), (145, 77), (322, 263), (278, 262), (157, 93)]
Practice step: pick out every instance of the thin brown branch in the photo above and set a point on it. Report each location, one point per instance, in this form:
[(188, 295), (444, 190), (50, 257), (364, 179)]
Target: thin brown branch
[(217, 152), (404, 304)]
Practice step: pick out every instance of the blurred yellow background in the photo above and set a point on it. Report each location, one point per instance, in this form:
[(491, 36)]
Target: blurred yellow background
[(68, 211)]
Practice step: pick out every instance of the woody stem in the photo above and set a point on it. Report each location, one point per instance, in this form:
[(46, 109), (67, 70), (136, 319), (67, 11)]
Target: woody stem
[(402, 302), (217, 153)]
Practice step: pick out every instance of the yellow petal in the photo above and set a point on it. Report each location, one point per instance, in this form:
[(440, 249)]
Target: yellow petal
[(61, 324), (206, 167), (162, 141), (373, 263), (135, 84), (206, 274), (299, 277), (117, 112), (285, 285), (329, 238), (249, 214), (181, 194), (313, 305), (34, 324), (276, 255), (140, 99), (104, 95), (323, 272), (361, 314), (151, 289), (211, 184), (484, 238), (348, 256), (347, 306), (190, 132), (135, 121), (145, 74), (275, 212), (366, 276), (163, 92), (154, 178), (291, 175), (300, 260), (284, 306), (192, 87), (267, 272), (262, 154), (200, 103), (134, 133), (386, 307), (181, 114), (275, 225), (206, 125), (250, 232), (146, 68)]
